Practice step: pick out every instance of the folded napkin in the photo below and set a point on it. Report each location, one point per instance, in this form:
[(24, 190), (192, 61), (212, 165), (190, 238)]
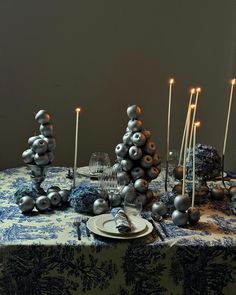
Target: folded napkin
[(122, 222)]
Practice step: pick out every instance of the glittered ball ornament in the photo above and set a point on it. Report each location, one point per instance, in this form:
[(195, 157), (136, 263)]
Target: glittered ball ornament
[(28, 156), (159, 208), (42, 117), (180, 218), (26, 204), (55, 198), (193, 215), (42, 203), (134, 111), (217, 193), (182, 203), (64, 193), (100, 206)]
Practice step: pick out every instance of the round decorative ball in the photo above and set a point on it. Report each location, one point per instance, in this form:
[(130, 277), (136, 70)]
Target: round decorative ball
[(55, 198), (146, 161), (137, 172), (127, 138), (64, 193), (178, 172), (26, 204), (177, 188), (46, 129), (193, 215), (128, 192), (100, 206), (141, 185), (123, 178), (42, 117), (28, 156), (32, 139), (180, 218), (39, 146), (53, 188), (42, 203), (182, 203), (156, 160), (232, 191), (153, 172), (134, 111), (121, 150), (135, 125), (115, 200), (146, 133), (41, 159), (159, 208), (217, 193), (150, 147), (138, 139), (126, 164), (135, 153)]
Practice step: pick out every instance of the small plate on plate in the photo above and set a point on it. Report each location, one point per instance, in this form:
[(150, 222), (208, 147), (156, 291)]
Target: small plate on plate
[(91, 224), (106, 223)]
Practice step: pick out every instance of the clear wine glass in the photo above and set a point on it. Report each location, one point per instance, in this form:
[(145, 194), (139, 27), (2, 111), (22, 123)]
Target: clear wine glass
[(99, 161)]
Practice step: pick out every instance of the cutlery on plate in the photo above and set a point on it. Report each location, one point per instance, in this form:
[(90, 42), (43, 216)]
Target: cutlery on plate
[(84, 220), (159, 219), (77, 223)]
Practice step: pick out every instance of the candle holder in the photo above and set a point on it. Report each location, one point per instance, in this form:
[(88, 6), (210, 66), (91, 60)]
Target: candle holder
[(37, 174)]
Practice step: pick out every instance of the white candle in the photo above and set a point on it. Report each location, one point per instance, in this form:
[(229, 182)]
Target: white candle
[(197, 124), (228, 115), (171, 82), (198, 90), (185, 147), (76, 143), (185, 126)]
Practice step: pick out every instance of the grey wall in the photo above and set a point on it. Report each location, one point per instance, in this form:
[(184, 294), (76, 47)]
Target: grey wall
[(105, 55)]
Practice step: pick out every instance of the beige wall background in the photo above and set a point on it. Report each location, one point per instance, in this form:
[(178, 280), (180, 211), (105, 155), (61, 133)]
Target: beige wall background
[(106, 55)]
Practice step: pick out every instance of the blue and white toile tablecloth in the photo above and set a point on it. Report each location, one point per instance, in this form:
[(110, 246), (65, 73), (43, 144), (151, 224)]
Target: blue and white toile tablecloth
[(40, 253)]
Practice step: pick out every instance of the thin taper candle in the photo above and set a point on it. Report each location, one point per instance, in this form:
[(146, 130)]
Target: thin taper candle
[(198, 90), (185, 148), (228, 115), (197, 124), (185, 127), (76, 143), (171, 82)]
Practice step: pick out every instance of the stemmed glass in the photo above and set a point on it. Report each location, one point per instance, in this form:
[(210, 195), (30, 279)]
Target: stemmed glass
[(99, 161)]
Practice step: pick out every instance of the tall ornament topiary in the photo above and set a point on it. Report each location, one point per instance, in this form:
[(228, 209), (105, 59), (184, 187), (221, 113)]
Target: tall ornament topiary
[(137, 157)]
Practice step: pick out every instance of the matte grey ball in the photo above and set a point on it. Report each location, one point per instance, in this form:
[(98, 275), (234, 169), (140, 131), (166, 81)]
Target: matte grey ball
[(42, 203), (182, 203), (100, 206), (146, 161), (137, 172), (135, 125), (141, 185), (64, 193), (32, 139), (127, 138), (28, 156), (126, 164), (134, 111), (41, 160), (150, 147), (159, 208), (121, 150), (152, 172), (135, 153), (46, 129), (42, 117), (26, 204), (53, 188), (39, 146), (138, 139), (156, 160), (193, 215), (55, 198), (180, 218)]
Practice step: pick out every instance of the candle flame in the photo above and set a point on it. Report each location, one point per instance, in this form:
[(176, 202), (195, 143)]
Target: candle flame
[(197, 124), (233, 82), (192, 90), (198, 89), (192, 106), (78, 110), (171, 81)]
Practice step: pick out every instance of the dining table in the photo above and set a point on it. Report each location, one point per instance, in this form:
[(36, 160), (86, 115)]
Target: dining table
[(40, 253)]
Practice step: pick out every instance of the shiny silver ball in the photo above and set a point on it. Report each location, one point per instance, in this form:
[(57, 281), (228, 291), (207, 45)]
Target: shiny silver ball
[(121, 150), (42, 117), (100, 206), (193, 215), (53, 188), (55, 198), (138, 139), (127, 138), (134, 111), (217, 193), (46, 129), (180, 218), (123, 178), (28, 156), (141, 185), (159, 208), (127, 164), (41, 160), (39, 146), (232, 191), (32, 139), (115, 200), (135, 125), (42, 203), (137, 172), (182, 203), (26, 204), (64, 193), (135, 153)]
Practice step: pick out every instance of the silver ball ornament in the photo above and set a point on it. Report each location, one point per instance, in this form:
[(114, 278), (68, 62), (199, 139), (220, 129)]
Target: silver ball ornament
[(121, 150), (26, 204), (51, 142), (53, 188), (123, 178), (100, 206), (141, 185), (39, 146), (152, 172), (126, 164), (127, 138), (42, 203), (42, 117), (159, 208), (129, 192), (193, 215), (28, 156), (134, 111), (217, 193), (41, 160), (64, 193), (135, 125), (137, 172), (55, 198), (180, 218), (115, 200), (46, 129), (32, 139), (138, 139), (182, 203), (146, 161), (135, 153)]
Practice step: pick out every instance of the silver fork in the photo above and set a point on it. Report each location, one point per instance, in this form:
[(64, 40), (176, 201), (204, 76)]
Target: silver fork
[(84, 219), (77, 223)]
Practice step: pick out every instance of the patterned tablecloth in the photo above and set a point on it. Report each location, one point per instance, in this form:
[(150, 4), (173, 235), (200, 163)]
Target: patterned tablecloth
[(40, 253)]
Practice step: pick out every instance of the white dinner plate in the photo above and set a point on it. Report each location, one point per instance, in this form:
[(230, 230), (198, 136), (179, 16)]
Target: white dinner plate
[(106, 223), (93, 228)]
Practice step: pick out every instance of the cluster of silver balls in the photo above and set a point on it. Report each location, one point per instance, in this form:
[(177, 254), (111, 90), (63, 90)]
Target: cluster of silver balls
[(41, 146), (55, 197), (138, 158)]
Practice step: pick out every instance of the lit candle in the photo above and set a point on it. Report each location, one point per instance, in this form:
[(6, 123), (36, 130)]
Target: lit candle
[(185, 126), (192, 106), (197, 124), (171, 82), (198, 90), (77, 110), (228, 116)]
